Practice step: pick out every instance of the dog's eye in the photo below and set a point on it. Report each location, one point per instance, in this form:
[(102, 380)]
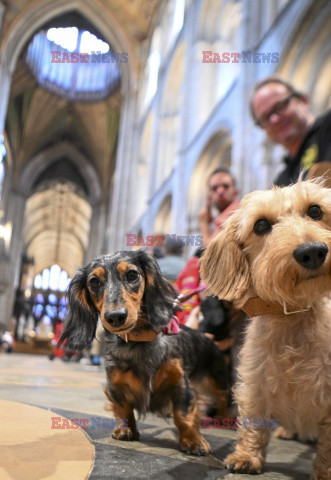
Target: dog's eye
[(262, 226), (94, 283), (315, 212), (132, 275)]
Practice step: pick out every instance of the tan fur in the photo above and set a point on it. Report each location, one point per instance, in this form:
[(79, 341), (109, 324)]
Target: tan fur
[(98, 272), (169, 374), (131, 301), (285, 363), (101, 274), (124, 430), (190, 439), (123, 267)]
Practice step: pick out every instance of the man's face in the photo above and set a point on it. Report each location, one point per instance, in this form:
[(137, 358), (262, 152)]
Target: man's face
[(221, 190), (289, 125)]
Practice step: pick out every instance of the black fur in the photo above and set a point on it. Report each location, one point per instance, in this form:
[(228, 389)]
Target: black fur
[(81, 322), (197, 355)]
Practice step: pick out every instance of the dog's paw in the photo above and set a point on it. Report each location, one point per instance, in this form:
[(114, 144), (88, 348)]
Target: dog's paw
[(243, 463), (125, 434), (195, 446), (280, 432)]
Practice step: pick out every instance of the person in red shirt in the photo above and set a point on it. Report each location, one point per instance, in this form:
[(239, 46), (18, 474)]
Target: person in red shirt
[(223, 198), (187, 281)]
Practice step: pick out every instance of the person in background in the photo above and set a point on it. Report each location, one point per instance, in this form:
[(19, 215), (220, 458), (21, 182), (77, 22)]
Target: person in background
[(222, 198), (172, 263), (187, 281), (285, 115)]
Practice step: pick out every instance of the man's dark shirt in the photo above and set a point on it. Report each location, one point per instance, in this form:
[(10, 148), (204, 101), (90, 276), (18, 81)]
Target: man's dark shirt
[(316, 147)]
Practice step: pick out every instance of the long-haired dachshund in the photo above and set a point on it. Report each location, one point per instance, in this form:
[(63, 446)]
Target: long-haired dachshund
[(274, 256), (146, 369)]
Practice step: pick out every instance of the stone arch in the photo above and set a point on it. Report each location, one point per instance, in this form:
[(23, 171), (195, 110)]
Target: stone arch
[(37, 13), (8, 165), (57, 227), (71, 214), (216, 153), (163, 218), (143, 165), (171, 24), (44, 159), (149, 81), (217, 30), (306, 60), (169, 122)]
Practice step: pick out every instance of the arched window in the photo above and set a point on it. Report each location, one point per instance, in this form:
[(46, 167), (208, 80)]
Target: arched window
[(74, 63), (52, 279), (50, 302)]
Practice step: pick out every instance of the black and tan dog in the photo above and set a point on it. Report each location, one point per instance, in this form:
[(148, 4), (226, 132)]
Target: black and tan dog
[(146, 369)]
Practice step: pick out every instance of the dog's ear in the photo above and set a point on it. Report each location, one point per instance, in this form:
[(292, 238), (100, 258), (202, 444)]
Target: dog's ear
[(82, 317), (224, 267), (159, 295)]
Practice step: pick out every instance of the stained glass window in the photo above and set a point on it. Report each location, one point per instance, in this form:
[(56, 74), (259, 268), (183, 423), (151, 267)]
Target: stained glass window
[(74, 63), (50, 301)]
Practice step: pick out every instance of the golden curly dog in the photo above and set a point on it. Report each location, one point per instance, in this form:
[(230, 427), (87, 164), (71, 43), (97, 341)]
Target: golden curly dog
[(274, 255)]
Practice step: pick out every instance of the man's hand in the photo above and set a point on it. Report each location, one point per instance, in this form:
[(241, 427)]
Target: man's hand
[(205, 219), (205, 216)]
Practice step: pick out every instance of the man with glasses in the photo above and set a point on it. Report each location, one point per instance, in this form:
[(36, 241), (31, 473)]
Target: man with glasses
[(285, 115)]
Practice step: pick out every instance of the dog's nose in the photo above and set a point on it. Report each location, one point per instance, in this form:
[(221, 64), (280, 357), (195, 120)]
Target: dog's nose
[(311, 255), (116, 318)]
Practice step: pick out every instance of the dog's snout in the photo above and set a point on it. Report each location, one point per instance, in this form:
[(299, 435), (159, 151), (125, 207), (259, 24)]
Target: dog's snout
[(116, 318), (311, 255)]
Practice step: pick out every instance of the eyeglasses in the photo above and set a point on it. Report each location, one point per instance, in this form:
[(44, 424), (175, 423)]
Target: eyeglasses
[(278, 109)]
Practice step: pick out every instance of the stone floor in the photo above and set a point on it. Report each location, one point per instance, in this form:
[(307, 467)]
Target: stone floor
[(74, 391)]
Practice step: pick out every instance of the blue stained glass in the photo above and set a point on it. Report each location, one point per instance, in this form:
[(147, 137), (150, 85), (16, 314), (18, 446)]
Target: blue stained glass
[(46, 320), (52, 299), (37, 310), (62, 313), (51, 311), (39, 298), (64, 301), (55, 59)]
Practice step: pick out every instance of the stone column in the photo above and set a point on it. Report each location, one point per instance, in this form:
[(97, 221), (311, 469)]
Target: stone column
[(120, 215), (5, 83), (97, 232), (10, 264)]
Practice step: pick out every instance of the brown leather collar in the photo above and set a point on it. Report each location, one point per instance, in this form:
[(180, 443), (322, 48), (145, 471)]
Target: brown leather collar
[(139, 336), (255, 306)]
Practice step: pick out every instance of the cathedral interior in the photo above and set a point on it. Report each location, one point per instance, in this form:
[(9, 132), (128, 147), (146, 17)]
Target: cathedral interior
[(111, 123), (94, 151)]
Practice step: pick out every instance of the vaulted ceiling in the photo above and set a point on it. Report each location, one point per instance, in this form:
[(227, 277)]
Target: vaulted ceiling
[(38, 120)]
